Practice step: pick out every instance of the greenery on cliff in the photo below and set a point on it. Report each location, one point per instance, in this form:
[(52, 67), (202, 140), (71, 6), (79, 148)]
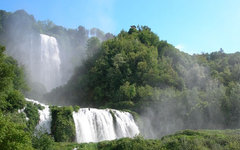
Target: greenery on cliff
[(12, 125), (62, 125), (17, 132)]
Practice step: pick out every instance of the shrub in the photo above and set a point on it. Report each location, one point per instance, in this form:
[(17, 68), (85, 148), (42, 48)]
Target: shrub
[(42, 141), (15, 100), (76, 108), (13, 136), (31, 111), (63, 127)]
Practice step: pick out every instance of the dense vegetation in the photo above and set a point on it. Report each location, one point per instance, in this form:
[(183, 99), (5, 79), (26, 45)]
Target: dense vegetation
[(183, 140), (12, 134), (137, 71), (16, 132), (63, 128), (123, 70), (11, 84)]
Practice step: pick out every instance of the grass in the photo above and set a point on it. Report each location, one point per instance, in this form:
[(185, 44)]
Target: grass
[(182, 140)]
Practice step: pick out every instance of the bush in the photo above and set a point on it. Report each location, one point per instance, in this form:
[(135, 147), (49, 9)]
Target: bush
[(63, 127), (15, 101), (76, 108), (42, 141), (31, 111), (183, 140), (121, 105), (13, 136)]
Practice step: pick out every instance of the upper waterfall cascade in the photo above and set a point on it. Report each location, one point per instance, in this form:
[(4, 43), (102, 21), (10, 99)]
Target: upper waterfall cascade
[(50, 62), (94, 125)]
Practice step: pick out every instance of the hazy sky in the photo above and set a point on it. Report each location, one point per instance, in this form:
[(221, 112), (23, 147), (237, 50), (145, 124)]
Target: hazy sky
[(193, 26)]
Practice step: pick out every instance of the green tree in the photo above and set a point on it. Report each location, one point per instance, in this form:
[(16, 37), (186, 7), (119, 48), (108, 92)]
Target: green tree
[(42, 141), (12, 82), (93, 45), (13, 136)]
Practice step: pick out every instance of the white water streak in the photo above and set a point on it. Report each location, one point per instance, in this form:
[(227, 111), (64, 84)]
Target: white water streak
[(94, 125), (49, 62), (44, 116)]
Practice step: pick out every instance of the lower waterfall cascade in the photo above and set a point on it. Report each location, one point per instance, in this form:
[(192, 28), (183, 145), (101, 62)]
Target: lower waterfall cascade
[(93, 125), (44, 116)]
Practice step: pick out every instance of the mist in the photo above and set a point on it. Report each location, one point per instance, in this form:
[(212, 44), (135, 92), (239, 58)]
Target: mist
[(197, 106), (49, 53)]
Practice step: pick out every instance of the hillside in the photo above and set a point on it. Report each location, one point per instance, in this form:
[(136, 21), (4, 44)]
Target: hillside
[(169, 89), (161, 88)]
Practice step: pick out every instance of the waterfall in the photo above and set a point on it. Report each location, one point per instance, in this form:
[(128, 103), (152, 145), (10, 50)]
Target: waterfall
[(49, 62), (94, 125), (40, 56), (125, 124), (44, 116)]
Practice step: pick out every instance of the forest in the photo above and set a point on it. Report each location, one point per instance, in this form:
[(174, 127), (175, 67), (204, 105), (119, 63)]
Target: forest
[(138, 72), (164, 88)]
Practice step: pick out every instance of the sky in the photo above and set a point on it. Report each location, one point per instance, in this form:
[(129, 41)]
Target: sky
[(193, 26)]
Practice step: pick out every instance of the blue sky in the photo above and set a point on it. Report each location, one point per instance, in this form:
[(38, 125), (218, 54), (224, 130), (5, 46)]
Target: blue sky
[(194, 26)]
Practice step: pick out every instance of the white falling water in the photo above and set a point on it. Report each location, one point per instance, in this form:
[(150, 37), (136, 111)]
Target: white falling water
[(49, 62), (94, 125), (125, 124), (22, 111), (44, 116)]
